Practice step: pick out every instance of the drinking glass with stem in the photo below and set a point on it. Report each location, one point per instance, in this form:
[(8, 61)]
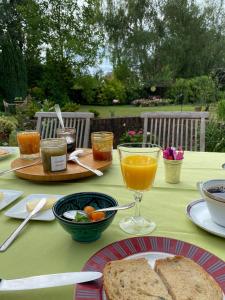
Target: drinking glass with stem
[(138, 162)]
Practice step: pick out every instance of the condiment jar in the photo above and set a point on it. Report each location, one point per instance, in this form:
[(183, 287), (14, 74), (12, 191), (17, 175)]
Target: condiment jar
[(54, 154), (69, 134), (102, 145)]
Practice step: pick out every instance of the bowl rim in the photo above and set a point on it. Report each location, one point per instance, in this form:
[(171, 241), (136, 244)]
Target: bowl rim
[(212, 196), (80, 223)]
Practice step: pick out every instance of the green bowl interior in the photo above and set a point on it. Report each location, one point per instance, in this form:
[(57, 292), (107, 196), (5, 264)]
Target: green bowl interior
[(79, 200)]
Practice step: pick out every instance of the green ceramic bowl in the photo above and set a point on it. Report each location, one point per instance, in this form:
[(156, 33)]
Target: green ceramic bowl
[(84, 232)]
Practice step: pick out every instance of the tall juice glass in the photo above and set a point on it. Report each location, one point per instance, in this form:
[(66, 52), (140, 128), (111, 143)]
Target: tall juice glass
[(138, 163)]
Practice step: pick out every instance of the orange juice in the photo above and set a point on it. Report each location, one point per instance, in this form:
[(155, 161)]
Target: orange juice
[(139, 171)]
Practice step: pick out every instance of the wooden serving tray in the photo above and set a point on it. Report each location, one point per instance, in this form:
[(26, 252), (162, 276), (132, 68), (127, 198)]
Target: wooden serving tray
[(74, 171)]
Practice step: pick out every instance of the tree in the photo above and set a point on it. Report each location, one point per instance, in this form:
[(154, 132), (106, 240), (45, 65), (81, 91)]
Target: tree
[(13, 79), (166, 38)]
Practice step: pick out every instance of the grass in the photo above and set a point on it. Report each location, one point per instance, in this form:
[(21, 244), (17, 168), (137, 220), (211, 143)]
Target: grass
[(130, 110)]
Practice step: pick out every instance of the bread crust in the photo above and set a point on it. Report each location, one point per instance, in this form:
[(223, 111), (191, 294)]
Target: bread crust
[(133, 279), (186, 280)]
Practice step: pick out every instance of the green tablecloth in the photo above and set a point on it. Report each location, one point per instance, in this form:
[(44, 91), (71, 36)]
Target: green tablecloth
[(44, 247)]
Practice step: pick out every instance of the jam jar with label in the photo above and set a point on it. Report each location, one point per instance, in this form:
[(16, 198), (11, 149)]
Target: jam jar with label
[(54, 154)]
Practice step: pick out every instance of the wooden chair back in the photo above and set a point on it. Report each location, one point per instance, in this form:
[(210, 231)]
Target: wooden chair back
[(185, 129), (47, 124)]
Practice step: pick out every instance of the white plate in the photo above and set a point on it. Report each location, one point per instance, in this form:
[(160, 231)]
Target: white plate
[(198, 213), (8, 197), (9, 152), (19, 210)]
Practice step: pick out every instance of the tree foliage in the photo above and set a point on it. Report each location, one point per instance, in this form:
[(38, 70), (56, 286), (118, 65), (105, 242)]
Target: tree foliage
[(161, 38)]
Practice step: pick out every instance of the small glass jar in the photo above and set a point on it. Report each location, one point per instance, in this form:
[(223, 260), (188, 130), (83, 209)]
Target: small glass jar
[(29, 144), (102, 145), (54, 154), (69, 134)]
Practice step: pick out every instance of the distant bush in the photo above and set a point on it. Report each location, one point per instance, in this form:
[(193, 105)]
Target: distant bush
[(25, 114), (37, 93), (6, 127), (200, 89), (111, 89), (221, 110), (215, 136), (70, 106), (154, 101), (95, 112), (88, 86)]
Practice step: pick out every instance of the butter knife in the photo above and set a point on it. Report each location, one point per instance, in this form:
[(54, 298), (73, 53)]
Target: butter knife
[(15, 233), (45, 281), (21, 167)]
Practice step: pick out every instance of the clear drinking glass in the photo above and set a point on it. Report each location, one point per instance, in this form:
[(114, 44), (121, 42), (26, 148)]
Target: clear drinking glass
[(138, 163)]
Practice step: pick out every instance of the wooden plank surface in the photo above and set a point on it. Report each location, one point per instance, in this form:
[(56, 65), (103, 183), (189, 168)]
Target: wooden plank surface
[(74, 171)]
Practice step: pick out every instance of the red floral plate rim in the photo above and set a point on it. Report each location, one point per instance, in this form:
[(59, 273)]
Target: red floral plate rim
[(131, 246)]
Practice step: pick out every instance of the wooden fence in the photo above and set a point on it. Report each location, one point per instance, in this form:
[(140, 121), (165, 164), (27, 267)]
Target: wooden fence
[(117, 125)]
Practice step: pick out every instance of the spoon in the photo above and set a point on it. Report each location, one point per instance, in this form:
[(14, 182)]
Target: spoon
[(71, 214), (59, 115), (73, 157)]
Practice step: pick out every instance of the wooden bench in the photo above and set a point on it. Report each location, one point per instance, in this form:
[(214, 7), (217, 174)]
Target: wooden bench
[(185, 129)]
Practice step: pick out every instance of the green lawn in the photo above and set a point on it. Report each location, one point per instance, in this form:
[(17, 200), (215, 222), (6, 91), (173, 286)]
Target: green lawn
[(130, 110)]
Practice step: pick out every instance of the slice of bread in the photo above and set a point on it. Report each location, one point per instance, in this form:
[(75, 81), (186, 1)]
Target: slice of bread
[(186, 280), (133, 279)]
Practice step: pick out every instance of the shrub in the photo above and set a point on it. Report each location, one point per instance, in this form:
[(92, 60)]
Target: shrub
[(215, 137), (132, 136), (37, 93), (25, 114), (221, 110), (111, 89), (200, 89), (95, 112), (6, 127), (89, 86), (47, 105), (70, 106), (154, 101)]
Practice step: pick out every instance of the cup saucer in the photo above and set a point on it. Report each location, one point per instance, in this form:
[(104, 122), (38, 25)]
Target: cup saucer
[(197, 211)]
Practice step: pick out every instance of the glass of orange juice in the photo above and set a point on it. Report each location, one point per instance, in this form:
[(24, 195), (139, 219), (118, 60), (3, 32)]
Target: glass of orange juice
[(138, 163), (29, 144)]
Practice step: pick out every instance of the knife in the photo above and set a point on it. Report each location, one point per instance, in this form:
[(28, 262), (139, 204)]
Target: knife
[(16, 232), (45, 281)]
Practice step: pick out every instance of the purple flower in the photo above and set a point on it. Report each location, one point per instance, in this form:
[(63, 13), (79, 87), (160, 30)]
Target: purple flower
[(171, 153)]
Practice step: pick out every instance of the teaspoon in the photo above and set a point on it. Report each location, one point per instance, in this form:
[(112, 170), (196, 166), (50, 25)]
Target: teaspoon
[(71, 214)]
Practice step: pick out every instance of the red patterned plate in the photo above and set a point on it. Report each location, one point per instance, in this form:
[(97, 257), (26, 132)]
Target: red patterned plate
[(151, 248)]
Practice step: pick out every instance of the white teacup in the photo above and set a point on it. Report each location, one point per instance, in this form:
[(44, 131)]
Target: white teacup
[(213, 192)]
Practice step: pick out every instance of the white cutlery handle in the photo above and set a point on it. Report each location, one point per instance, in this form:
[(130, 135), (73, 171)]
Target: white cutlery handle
[(21, 167), (97, 172), (14, 234)]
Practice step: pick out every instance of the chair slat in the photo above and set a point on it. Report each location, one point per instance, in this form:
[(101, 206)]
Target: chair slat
[(186, 129), (177, 133), (155, 131), (160, 130), (47, 124), (191, 138), (164, 134), (168, 133)]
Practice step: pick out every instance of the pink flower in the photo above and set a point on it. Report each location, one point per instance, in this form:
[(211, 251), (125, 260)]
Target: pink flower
[(131, 132)]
